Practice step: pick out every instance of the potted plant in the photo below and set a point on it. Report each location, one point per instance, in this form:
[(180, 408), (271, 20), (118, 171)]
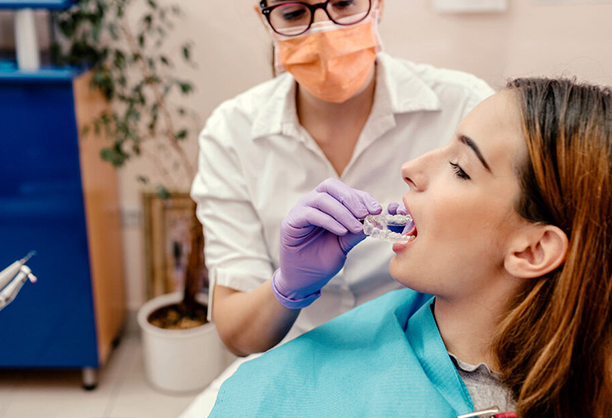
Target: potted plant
[(122, 42)]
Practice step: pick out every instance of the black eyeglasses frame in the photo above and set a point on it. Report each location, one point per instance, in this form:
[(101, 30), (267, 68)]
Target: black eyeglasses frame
[(267, 10)]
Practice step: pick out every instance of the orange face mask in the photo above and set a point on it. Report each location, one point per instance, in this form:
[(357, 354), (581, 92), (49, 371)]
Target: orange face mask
[(330, 61)]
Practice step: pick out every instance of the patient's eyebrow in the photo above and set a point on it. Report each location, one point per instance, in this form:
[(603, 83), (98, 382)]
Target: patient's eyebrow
[(470, 143)]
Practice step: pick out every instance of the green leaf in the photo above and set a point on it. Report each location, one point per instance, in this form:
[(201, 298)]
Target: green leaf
[(165, 61), (148, 20), (187, 52), (57, 56), (66, 28), (142, 179), (114, 155), (182, 134), (96, 29), (106, 154), (163, 193), (112, 29), (119, 59), (186, 87)]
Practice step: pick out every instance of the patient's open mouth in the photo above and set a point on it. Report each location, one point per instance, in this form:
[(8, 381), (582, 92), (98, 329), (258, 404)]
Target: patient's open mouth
[(408, 235), (388, 227), (410, 231)]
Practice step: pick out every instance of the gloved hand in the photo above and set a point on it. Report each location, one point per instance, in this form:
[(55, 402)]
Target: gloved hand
[(315, 238), (395, 208)]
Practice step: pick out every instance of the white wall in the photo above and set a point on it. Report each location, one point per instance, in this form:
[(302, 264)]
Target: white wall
[(531, 38)]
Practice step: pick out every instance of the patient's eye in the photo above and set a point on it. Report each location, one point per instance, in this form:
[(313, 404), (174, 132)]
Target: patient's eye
[(459, 171)]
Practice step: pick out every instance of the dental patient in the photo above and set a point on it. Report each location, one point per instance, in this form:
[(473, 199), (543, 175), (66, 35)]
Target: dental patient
[(508, 277)]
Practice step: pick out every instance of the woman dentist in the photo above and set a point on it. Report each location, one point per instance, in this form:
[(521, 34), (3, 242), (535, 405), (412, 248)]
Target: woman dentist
[(341, 109)]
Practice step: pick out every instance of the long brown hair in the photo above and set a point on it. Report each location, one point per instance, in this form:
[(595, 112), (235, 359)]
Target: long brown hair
[(555, 346)]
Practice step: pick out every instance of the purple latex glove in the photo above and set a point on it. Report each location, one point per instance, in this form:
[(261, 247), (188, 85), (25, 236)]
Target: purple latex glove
[(315, 238), (395, 208)]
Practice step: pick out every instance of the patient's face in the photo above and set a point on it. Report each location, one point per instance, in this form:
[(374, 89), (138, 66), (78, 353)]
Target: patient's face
[(462, 199)]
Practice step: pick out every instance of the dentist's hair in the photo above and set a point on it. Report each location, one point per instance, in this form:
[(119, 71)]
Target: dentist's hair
[(555, 346)]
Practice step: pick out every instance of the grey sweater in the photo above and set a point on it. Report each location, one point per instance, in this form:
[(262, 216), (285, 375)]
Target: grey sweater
[(483, 385)]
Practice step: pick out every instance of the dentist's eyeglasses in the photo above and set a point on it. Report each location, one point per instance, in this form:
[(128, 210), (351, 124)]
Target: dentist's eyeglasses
[(291, 18)]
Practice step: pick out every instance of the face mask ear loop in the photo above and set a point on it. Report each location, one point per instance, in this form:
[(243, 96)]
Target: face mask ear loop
[(278, 66), (375, 19), (378, 11)]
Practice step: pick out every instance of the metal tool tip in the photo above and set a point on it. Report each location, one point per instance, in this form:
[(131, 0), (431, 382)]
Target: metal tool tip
[(27, 257)]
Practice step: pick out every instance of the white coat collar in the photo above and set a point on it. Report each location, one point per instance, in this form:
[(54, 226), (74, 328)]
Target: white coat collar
[(398, 90), (404, 88)]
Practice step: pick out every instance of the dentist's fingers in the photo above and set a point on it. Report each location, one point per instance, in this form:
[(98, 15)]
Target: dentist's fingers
[(332, 207), (308, 217), (401, 209), (348, 241), (345, 195), (392, 208), (395, 208), (372, 204), (358, 202)]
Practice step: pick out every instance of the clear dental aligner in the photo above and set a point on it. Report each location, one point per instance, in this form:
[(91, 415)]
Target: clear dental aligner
[(377, 226)]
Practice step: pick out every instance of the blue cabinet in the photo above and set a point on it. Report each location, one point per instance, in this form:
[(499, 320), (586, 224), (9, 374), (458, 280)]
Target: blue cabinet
[(57, 197), (36, 4)]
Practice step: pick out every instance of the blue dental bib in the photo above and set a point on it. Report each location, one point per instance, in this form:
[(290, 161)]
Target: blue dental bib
[(384, 358)]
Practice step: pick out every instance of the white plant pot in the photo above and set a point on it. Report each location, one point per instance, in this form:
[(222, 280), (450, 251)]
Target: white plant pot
[(180, 361)]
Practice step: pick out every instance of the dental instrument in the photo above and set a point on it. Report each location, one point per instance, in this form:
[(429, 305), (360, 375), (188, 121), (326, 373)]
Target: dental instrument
[(377, 226), (492, 412), (13, 278)]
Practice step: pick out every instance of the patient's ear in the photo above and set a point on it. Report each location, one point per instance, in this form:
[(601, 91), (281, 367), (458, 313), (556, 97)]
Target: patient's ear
[(536, 251)]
